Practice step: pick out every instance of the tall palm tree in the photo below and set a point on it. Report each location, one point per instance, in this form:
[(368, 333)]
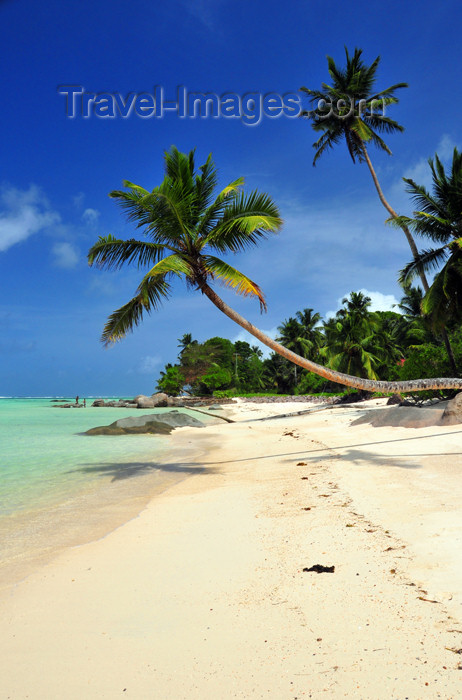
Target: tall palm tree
[(356, 306), (291, 334), (349, 110), (310, 322), (351, 352), (439, 218), (184, 224), (416, 327), (351, 339)]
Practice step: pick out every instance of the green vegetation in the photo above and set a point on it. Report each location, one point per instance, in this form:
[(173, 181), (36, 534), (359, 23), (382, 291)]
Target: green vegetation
[(355, 113), (439, 218), (385, 344), (186, 224)]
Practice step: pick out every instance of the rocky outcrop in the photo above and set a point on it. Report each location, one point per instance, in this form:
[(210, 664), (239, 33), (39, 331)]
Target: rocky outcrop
[(402, 416), (453, 412), (155, 401), (68, 405), (119, 403), (159, 424)]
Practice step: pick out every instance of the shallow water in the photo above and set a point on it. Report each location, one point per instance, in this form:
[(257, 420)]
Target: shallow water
[(60, 487)]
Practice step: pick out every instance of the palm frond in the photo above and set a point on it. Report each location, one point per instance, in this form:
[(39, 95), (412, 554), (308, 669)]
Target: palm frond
[(423, 200), (127, 317), (212, 215), (230, 277), (171, 265), (351, 84), (427, 260), (111, 254), (205, 184), (245, 221), (179, 167)]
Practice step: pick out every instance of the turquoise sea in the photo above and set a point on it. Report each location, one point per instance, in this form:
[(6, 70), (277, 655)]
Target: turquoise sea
[(59, 487)]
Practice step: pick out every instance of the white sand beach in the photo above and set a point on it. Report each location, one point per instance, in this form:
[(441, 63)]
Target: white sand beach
[(204, 594)]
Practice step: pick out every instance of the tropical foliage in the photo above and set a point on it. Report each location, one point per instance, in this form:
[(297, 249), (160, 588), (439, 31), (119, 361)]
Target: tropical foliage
[(351, 110), (184, 225), (439, 219), (375, 345)]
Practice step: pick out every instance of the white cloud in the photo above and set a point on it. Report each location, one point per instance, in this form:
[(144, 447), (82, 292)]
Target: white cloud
[(65, 255), (90, 216), (379, 301), (149, 364), (23, 213)]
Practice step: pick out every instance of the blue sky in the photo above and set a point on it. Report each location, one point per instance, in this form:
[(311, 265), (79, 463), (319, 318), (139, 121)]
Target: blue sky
[(56, 172)]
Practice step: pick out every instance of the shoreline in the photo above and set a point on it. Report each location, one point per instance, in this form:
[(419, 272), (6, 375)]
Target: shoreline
[(89, 515), (210, 572)]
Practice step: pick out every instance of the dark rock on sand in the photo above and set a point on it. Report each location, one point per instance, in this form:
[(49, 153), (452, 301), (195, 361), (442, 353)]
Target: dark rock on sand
[(68, 405), (410, 401), (160, 424), (403, 416), (354, 396), (155, 401), (453, 412), (395, 400), (119, 403)]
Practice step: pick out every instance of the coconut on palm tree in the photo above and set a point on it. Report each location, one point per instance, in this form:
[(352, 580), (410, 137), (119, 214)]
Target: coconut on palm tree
[(185, 225)]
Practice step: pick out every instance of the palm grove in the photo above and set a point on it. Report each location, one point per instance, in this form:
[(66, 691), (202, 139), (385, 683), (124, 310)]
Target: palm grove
[(187, 225)]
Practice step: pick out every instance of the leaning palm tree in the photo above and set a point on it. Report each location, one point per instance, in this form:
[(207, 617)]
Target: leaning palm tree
[(351, 110), (184, 225)]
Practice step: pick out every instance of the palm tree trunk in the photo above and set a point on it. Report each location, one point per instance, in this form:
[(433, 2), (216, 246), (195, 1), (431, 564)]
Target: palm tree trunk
[(452, 359), (331, 375), (393, 214), (413, 248)]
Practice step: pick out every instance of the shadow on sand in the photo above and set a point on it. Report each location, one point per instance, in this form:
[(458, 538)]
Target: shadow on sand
[(128, 470), (347, 452)]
